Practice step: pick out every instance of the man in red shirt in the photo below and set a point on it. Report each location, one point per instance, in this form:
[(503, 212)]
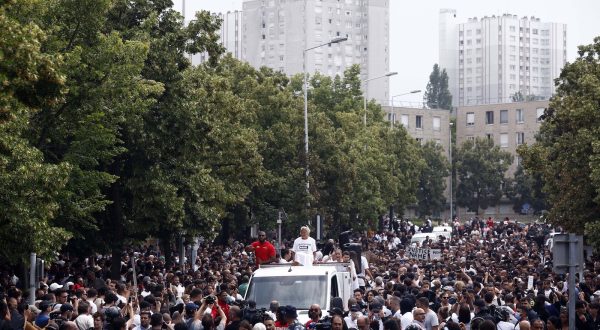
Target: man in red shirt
[(263, 250)]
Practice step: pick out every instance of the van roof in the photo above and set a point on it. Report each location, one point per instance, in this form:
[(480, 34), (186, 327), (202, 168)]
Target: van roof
[(423, 235), (287, 270)]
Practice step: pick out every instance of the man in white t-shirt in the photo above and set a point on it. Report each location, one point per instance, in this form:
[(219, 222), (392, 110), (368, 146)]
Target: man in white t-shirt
[(304, 248)]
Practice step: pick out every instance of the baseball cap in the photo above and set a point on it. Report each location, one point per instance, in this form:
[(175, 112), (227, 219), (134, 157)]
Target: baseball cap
[(336, 311), (355, 308), (55, 286), (34, 309), (191, 307), (66, 308), (42, 320)]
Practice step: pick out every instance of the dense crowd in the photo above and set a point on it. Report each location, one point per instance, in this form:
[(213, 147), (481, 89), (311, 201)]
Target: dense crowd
[(491, 275)]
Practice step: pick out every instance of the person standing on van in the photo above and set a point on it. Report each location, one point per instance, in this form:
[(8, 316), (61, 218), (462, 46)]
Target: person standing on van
[(264, 251), (304, 247)]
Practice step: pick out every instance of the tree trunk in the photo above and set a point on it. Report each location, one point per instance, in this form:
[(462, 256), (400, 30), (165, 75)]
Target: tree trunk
[(117, 226), (165, 242)]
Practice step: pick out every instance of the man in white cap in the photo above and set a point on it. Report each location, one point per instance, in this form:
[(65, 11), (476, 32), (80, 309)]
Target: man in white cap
[(304, 247), (54, 286)]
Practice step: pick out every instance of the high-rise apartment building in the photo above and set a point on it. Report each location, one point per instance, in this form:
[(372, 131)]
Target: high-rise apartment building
[(230, 36), (276, 32), (489, 60)]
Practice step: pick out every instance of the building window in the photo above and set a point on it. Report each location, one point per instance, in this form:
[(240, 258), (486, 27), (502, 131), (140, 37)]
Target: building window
[(419, 140), (470, 118), (419, 122), (539, 113), (470, 138), (489, 117), (504, 140), (503, 116), (404, 120), (436, 123), (520, 138), (489, 136), (519, 116)]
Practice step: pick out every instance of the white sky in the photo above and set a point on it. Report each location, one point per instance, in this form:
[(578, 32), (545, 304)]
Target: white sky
[(414, 29)]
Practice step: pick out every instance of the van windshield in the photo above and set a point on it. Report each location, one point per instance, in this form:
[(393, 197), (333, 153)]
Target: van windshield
[(297, 291)]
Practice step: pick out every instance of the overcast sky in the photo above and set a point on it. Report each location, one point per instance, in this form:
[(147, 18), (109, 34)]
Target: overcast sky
[(414, 29)]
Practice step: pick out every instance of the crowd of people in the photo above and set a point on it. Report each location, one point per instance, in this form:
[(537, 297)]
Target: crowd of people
[(491, 274)]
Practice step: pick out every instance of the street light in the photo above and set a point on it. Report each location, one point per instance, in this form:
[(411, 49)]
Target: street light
[(411, 92), (451, 168), (389, 74), (332, 41)]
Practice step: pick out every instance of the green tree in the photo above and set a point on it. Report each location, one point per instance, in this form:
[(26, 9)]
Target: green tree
[(567, 148), (525, 189), (132, 124), (29, 187), (358, 170), (480, 167), (268, 96), (432, 180), (520, 97), (437, 95)]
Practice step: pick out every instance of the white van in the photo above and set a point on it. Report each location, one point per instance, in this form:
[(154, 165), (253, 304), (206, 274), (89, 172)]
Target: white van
[(328, 284), (445, 231), (442, 229), (435, 236), (420, 237)]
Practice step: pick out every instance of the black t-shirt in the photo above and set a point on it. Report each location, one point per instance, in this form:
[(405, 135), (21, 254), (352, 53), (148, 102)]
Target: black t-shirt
[(4, 325), (17, 321), (234, 325)]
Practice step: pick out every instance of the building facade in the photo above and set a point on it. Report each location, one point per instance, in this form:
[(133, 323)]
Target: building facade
[(422, 124), (275, 34), (508, 124), (489, 60)]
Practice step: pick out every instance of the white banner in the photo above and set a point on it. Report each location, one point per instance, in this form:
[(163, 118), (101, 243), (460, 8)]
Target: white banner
[(435, 254), (423, 254)]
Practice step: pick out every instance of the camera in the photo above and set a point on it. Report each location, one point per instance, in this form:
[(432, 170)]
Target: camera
[(323, 325), (209, 299)]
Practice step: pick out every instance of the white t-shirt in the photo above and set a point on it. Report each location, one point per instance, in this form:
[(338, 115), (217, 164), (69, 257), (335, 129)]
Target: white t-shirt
[(406, 320), (431, 320), (84, 321), (94, 307), (364, 264), (304, 249)]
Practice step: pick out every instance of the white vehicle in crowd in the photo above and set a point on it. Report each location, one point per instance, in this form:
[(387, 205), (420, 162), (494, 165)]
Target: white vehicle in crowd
[(328, 284), (445, 231), (418, 238)]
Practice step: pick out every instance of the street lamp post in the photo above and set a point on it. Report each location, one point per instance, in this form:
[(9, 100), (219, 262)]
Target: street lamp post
[(389, 74), (332, 41), (411, 92), (451, 168)]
